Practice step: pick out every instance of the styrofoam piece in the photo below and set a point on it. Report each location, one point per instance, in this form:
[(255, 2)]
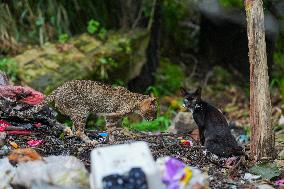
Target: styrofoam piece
[(119, 159)]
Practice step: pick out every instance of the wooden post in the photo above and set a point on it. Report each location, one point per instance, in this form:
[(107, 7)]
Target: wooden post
[(262, 139)]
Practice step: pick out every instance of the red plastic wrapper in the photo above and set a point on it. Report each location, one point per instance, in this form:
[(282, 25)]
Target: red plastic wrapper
[(27, 95), (22, 132), (33, 143), (3, 125)]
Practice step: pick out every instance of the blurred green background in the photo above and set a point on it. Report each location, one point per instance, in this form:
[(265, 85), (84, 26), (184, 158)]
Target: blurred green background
[(148, 46)]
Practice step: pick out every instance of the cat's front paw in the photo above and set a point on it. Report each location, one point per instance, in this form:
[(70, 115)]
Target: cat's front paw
[(68, 131)]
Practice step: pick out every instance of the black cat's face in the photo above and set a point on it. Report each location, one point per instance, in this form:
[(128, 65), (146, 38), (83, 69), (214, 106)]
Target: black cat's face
[(190, 99)]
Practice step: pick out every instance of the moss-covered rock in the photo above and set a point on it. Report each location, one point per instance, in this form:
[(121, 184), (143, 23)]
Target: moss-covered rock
[(120, 56)]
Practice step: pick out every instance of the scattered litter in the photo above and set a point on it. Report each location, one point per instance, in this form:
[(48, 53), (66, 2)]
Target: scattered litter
[(177, 175), (264, 186), (266, 170), (54, 170), (23, 155), (2, 138), (103, 134), (3, 125), (231, 161), (22, 94), (14, 144), (136, 178), (37, 125), (18, 132), (279, 182), (186, 142), (33, 143), (250, 177), (4, 150), (120, 159), (243, 139)]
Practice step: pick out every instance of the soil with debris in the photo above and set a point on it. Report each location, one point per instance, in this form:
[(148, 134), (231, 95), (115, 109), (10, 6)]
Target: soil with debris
[(161, 145)]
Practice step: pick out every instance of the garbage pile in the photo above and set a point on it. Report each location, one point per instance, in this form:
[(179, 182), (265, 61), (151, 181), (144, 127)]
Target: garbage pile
[(14, 102), (110, 169)]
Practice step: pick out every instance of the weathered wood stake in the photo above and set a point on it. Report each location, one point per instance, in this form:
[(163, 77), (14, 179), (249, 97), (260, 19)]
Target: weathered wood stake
[(262, 139)]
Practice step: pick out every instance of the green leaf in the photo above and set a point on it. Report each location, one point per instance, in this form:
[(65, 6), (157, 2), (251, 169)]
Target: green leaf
[(266, 170), (93, 26), (63, 38), (102, 34), (62, 136), (40, 21), (103, 60)]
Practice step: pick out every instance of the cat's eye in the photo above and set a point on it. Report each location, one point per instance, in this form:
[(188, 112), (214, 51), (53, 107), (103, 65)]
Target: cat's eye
[(185, 101)]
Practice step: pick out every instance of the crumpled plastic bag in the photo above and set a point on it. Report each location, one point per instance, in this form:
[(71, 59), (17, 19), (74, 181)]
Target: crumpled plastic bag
[(55, 170), (22, 94), (177, 175), (63, 171), (6, 174)]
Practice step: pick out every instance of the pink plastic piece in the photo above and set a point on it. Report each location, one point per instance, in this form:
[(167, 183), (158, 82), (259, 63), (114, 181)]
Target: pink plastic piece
[(4, 125), (279, 182), (23, 132), (33, 143)]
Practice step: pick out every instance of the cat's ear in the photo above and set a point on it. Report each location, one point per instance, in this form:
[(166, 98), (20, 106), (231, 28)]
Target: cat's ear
[(183, 91), (198, 92)]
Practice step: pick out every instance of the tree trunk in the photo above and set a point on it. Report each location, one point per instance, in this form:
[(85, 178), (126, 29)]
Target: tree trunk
[(147, 75), (262, 139)]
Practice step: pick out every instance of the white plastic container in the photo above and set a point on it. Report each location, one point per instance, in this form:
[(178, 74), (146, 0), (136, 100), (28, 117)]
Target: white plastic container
[(119, 159)]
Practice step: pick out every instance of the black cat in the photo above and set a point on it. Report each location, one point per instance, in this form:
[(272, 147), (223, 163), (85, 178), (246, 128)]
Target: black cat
[(213, 128)]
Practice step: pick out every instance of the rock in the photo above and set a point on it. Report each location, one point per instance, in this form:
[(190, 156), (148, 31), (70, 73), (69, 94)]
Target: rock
[(281, 120), (121, 56), (281, 155), (3, 79), (183, 123), (2, 138)]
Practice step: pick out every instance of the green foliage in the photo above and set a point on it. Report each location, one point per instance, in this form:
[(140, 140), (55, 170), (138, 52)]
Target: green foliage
[(97, 123), (266, 170), (9, 66), (63, 38), (93, 26), (169, 77), (173, 12), (231, 3), (281, 87), (159, 124), (124, 45), (106, 63), (102, 33)]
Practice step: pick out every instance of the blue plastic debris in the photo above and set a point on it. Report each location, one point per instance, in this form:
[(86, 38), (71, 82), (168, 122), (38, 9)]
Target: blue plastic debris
[(103, 134)]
